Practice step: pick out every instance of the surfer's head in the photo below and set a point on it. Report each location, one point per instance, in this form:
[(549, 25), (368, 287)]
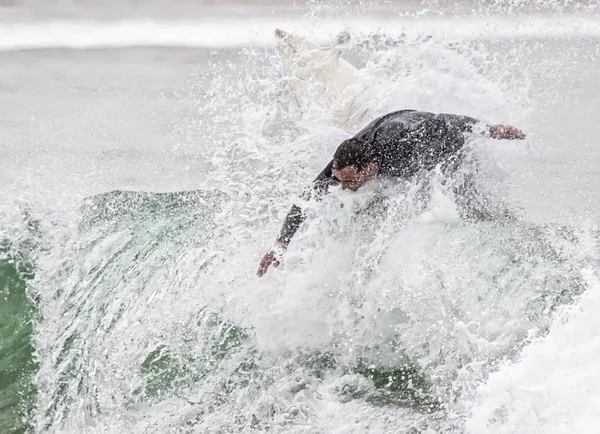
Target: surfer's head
[(354, 164)]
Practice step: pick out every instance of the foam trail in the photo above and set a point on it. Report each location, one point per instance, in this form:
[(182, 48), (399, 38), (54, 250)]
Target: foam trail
[(221, 33), (555, 387)]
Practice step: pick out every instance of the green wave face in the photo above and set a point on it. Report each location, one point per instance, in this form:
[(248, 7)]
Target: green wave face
[(17, 364), (138, 318)]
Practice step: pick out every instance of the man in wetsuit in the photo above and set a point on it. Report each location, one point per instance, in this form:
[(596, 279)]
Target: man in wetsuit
[(400, 144)]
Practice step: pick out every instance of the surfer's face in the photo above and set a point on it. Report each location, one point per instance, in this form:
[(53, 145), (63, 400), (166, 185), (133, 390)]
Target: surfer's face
[(352, 179)]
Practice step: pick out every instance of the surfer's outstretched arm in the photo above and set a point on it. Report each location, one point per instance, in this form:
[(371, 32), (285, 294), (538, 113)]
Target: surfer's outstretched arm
[(466, 124), (295, 217)]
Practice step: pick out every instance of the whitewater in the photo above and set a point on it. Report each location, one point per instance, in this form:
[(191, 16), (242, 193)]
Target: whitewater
[(148, 162)]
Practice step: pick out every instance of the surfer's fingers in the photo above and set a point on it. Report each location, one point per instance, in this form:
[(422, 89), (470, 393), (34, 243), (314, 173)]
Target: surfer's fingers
[(506, 132), (513, 133), (264, 264), (262, 270)]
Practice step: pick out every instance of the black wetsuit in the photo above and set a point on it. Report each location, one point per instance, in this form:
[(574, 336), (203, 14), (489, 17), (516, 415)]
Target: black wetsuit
[(405, 142)]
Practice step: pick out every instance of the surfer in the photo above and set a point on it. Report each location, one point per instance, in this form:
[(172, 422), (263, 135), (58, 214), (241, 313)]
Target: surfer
[(401, 144)]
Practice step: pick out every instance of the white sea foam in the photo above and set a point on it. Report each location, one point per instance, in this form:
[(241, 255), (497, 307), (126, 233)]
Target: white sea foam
[(555, 387)]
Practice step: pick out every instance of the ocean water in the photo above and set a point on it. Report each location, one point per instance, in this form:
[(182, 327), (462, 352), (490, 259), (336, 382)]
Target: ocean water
[(148, 159)]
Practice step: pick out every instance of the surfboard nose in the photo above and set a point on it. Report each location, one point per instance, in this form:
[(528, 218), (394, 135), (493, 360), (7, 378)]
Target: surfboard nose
[(298, 44), (280, 34)]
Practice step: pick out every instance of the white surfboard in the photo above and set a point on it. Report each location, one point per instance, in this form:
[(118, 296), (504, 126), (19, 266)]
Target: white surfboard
[(318, 76)]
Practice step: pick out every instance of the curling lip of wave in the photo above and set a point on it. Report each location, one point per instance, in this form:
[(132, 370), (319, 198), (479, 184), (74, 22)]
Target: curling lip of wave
[(220, 33)]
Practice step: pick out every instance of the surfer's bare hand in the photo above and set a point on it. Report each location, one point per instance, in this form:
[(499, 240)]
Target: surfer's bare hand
[(506, 132), (271, 258)]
